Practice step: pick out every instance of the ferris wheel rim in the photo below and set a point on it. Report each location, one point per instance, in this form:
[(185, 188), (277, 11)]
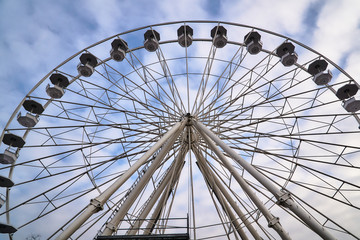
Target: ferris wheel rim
[(164, 43)]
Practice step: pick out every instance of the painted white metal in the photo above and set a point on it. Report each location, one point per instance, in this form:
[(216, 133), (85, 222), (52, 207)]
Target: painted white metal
[(165, 182), (113, 224), (224, 204), (273, 221), (286, 202), (218, 186), (103, 197), (164, 197)]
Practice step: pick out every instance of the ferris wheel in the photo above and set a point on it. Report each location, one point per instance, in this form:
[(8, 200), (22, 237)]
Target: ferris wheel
[(185, 130)]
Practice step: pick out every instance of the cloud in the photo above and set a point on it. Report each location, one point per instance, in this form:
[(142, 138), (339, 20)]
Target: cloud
[(336, 28), (279, 16)]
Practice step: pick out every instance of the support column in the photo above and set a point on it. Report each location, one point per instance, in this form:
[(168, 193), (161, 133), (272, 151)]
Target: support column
[(178, 162), (219, 187), (97, 203), (164, 197), (272, 221), (286, 201), (210, 182), (111, 226)]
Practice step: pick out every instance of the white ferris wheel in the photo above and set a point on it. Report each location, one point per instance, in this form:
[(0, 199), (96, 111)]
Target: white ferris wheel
[(185, 130)]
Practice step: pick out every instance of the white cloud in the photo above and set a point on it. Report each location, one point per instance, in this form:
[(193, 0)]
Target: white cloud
[(285, 17), (337, 28)]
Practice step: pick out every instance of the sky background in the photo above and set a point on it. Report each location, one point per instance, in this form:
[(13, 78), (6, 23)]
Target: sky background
[(37, 35)]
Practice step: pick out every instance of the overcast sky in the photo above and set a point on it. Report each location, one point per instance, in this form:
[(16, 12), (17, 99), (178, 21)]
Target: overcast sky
[(37, 35)]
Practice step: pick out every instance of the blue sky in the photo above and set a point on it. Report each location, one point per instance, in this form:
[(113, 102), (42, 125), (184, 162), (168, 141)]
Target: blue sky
[(37, 35)]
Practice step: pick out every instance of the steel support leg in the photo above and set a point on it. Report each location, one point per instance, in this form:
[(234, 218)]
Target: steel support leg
[(164, 197), (157, 192), (284, 201), (112, 226), (219, 187), (272, 221), (97, 203), (209, 178)]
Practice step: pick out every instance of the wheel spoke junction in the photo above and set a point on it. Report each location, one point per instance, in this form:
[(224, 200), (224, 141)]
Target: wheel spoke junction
[(186, 130)]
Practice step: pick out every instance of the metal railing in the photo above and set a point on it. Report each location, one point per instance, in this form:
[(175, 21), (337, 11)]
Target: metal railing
[(169, 228)]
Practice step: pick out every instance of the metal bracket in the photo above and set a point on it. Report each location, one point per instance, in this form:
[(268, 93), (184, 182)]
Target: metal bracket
[(282, 200), (273, 221), (111, 226), (96, 203)]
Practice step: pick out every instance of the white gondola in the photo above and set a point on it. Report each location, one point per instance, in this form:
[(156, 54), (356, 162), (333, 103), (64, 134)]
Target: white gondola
[(118, 50), (28, 120), (31, 118), (8, 157), (85, 70), (54, 91), (289, 59), (253, 43), (117, 54), (151, 40), (87, 64), (351, 105), (219, 37), (323, 78), (317, 69), (60, 83), (347, 93), (287, 54), (185, 36)]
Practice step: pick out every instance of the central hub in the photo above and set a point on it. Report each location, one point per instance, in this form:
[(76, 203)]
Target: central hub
[(189, 119), (188, 134)]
